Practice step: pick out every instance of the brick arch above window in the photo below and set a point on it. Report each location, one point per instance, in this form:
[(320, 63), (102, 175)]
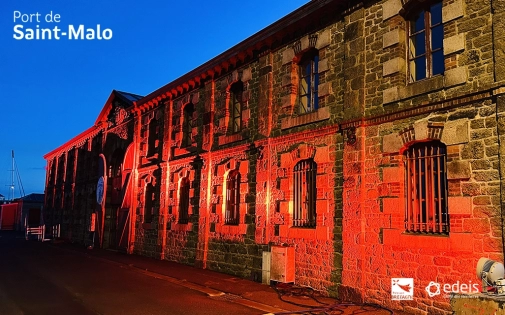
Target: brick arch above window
[(303, 152), (420, 132), (450, 133)]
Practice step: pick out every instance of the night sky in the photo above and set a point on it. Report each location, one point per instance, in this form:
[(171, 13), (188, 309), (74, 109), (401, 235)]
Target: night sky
[(52, 90)]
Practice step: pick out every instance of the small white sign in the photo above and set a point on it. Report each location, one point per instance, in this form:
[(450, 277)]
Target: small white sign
[(402, 289)]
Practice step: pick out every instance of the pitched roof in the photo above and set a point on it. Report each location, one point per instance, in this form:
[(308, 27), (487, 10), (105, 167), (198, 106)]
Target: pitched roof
[(128, 98), (284, 30), (33, 197)]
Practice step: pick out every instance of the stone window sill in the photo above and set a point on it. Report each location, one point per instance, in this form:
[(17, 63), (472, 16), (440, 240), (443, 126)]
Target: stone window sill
[(429, 85), (319, 115), (181, 227), (452, 241), (318, 233), (230, 138), (184, 150), (240, 229)]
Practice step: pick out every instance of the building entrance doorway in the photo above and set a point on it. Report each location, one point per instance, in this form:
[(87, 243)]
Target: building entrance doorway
[(117, 206)]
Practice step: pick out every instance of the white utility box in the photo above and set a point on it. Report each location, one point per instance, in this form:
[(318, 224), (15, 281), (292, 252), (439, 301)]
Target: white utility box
[(282, 264)]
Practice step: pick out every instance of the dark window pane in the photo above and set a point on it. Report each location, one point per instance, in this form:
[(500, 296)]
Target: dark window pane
[(420, 43), (438, 62), (305, 70), (437, 37), (418, 23), (420, 68), (436, 13)]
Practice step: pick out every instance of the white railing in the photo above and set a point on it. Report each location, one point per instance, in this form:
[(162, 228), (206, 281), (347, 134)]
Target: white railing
[(56, 231), (39, 231)]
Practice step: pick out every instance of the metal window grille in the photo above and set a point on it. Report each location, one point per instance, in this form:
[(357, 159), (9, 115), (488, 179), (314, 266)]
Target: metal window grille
[(426, 189), (187, 126), (308, 83), (426, 57), (232, 213), (184, 201), (304, 194)]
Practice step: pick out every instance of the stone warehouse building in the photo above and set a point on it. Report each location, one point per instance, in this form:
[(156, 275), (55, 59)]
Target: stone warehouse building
[(364, 137)]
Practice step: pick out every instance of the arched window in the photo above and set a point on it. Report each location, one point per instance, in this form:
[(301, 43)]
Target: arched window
[(426, 37), (304, 193), (232, 213), (308, 82), (184, 201), (187, 125), (426, 188), (235, 105), (149, 203)]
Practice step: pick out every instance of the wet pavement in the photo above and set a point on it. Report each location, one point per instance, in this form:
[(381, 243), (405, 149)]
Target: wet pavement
[(62, 278)]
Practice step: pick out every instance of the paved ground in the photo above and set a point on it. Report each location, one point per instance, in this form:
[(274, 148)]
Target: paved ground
[(58, 278)]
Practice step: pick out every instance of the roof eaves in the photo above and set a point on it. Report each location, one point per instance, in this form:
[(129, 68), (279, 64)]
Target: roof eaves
[(291, 19)]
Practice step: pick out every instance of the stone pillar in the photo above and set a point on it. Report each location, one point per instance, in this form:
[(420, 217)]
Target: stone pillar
[(137, 127), (205, 177), (500, 104), (354, 66), (265, 95)]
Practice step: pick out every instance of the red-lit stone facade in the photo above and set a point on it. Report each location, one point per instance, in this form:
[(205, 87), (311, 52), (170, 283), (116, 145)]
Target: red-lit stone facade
[(320, 132)]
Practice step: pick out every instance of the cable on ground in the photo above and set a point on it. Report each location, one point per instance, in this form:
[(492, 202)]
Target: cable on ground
[(285, 290)]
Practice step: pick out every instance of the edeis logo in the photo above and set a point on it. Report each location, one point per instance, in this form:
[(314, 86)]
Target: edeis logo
[(402, 289)]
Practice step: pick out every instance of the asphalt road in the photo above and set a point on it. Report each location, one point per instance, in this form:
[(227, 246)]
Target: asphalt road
[(40, 279)]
